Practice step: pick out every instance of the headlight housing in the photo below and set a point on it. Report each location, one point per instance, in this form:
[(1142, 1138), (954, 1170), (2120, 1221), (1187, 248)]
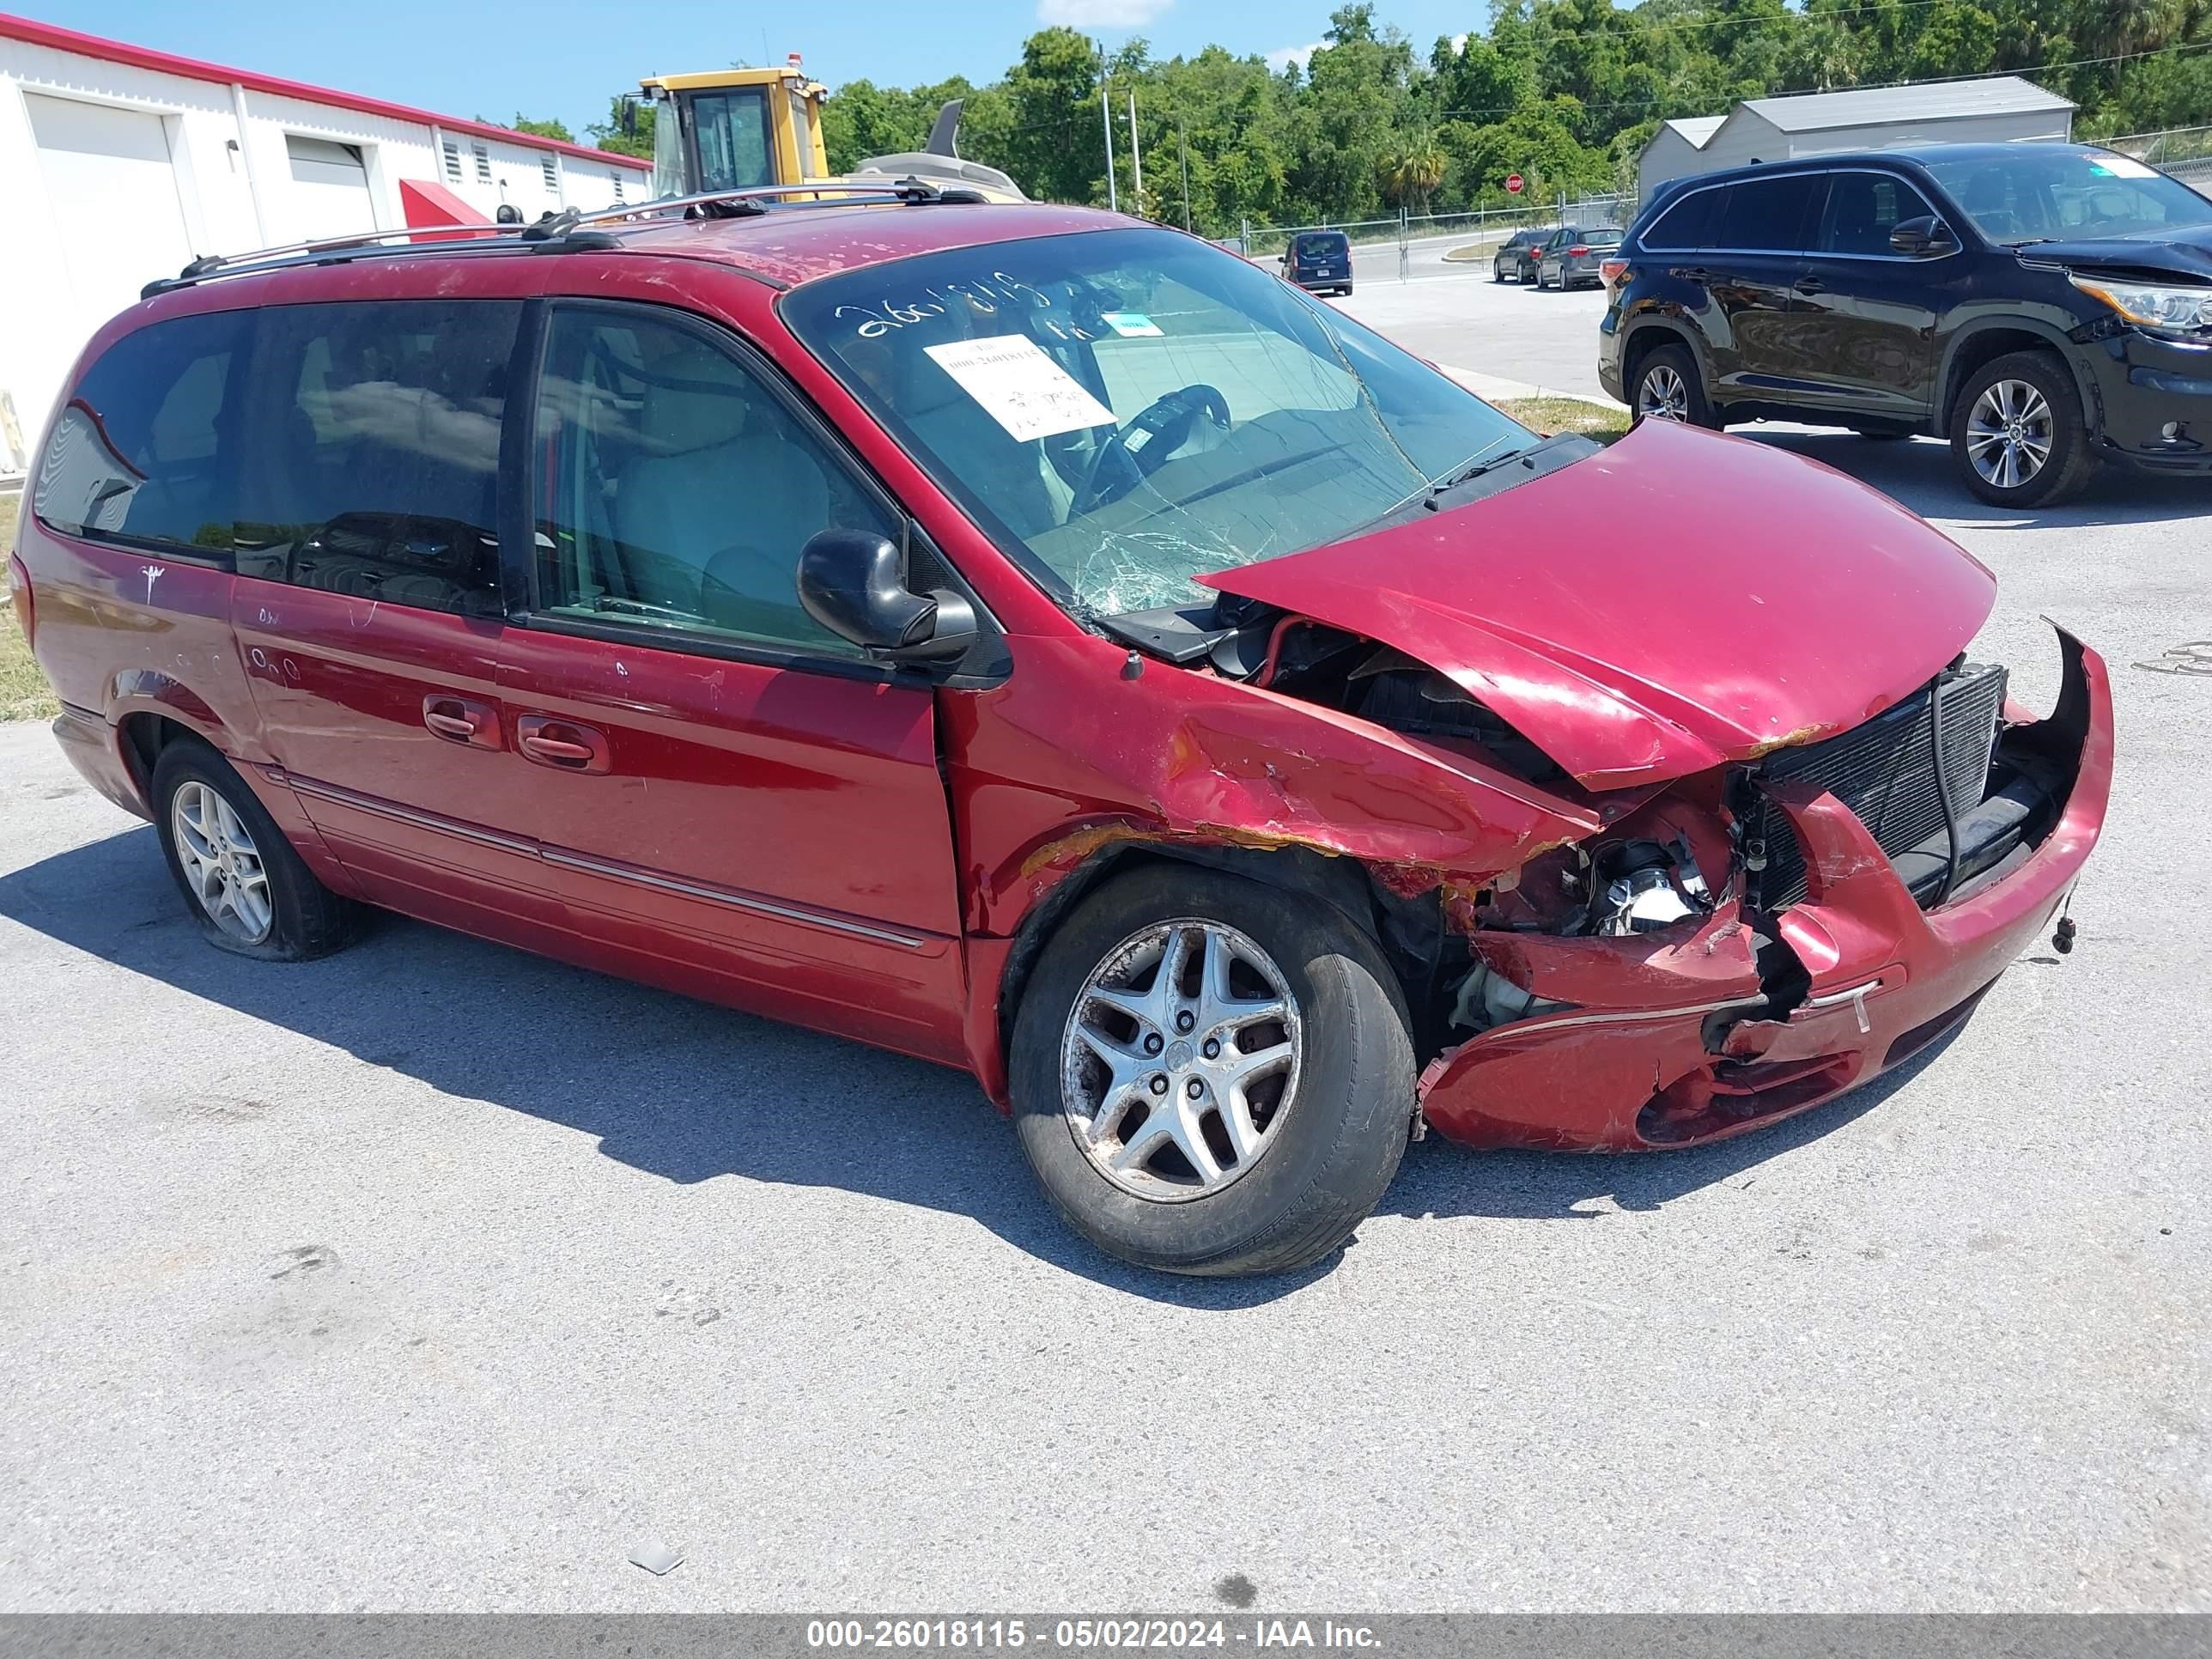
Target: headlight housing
[(2152, 304)]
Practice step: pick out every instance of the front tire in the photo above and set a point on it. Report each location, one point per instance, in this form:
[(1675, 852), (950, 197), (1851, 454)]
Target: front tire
[(248, 890), (1259, 1158), (2017, 434)]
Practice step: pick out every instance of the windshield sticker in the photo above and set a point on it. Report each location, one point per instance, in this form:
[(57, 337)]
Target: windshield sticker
[(1133, 323), (2121, 166), (1019, 387)]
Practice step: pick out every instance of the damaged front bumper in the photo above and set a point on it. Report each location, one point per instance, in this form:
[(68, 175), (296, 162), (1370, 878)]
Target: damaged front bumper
[(1680, 1038)]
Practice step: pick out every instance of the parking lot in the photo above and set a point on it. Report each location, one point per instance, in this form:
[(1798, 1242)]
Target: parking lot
[(432, 1276)]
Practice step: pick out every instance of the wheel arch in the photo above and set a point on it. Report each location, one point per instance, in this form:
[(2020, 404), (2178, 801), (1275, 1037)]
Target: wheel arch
[(1975, 348), (1645, 335)]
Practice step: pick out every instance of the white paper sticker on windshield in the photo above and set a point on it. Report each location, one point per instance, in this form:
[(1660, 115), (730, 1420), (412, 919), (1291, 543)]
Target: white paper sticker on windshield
[(1019, 387), (1133, 323), (2121, 166)]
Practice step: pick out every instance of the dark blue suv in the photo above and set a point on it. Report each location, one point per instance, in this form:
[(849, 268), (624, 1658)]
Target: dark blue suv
[(1320, 260), (2044, 306)]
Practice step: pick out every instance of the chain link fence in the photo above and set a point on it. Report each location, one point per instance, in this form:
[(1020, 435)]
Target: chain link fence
[(2183, 152), (1479, 231)]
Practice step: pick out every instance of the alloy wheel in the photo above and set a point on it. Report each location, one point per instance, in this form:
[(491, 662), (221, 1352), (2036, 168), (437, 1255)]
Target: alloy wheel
[(222, 865), (1662, 395), (1180, 1059), (2009, 434)]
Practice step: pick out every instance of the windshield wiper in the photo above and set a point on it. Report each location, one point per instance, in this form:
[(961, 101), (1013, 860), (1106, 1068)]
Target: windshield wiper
[(1467, 473)]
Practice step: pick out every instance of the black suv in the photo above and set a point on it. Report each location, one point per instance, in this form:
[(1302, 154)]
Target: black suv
[(2042, 306)]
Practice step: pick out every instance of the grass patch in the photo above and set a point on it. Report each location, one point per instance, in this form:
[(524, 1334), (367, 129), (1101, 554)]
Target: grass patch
[(24, 694), (1552, 416)]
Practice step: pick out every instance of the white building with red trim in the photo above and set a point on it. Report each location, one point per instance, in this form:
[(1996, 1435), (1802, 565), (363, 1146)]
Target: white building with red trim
[(123, 164)]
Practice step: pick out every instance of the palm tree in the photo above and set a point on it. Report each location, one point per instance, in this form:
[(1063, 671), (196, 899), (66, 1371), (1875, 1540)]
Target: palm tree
[(1409, 172)]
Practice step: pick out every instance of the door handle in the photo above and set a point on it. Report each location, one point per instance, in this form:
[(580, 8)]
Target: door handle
[(1811, 285), (461, 720), (1695, 274), (561, 744)]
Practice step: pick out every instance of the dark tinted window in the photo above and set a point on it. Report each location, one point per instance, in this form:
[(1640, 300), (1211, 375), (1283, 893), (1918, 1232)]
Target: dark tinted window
[(1862, 208), (1687, 224), (373, 468), (1327, 245), (141, 450), (676, 490), (1765, 215)]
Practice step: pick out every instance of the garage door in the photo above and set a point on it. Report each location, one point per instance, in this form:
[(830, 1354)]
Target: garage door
[(330, 189), (118, 223)]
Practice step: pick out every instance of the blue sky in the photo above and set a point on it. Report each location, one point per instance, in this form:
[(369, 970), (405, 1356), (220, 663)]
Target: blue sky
[(566, 58)]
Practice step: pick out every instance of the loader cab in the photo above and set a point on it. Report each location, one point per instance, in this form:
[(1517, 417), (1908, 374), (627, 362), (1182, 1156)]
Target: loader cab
[(735, 129)]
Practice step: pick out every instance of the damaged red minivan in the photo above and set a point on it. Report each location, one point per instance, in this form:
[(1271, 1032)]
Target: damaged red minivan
[(1053, 647)]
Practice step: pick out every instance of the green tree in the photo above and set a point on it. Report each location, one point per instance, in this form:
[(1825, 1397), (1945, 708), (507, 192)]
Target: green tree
[(542, 129), (608, 135)]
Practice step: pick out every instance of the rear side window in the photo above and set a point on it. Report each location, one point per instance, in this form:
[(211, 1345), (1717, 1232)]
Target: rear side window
[(374, 465), (141, 453), (1766, 215), (1688, 224), (1862, 208)]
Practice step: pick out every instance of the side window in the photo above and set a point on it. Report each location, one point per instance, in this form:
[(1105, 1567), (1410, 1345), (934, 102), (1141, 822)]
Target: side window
[(142, 452), (1688, 224), (674, 489), (1767, 215), (1863, 208), (375, 470)]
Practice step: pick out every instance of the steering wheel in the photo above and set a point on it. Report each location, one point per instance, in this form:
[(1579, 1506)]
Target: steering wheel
[(1165, 425)]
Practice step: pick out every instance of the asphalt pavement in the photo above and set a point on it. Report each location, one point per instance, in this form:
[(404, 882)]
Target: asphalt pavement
[(437, 1276)]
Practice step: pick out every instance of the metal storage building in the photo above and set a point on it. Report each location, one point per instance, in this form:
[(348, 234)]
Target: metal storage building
[(2001, 108), (122, 164)]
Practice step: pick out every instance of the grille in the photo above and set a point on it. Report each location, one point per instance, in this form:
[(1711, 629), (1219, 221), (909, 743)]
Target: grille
[(1885, 772)]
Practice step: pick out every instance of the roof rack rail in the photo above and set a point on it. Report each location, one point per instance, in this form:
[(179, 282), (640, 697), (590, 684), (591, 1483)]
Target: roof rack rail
[(567, 230)]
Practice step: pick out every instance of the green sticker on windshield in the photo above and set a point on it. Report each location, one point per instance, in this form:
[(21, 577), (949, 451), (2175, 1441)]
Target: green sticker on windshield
[(1131, 323)]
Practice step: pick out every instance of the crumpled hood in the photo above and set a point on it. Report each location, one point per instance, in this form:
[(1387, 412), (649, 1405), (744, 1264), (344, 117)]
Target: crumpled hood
[(1680, 599), (2185, 253)]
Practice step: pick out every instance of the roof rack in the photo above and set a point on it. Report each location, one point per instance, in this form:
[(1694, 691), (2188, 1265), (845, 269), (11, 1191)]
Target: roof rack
[(567, 231)]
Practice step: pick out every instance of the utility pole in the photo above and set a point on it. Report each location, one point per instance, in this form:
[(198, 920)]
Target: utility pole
[(1136, 156), (1182, 137), (1106, 120)]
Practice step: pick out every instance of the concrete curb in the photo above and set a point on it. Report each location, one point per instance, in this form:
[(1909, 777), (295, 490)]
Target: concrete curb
[(1494, 388)]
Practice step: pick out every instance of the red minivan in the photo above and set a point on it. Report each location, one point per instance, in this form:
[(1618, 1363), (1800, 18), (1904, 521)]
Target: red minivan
[(1050, 646)]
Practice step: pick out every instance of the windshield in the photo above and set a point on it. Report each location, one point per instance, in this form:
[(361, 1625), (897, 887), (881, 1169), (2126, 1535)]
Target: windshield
[(1124, 409), (1320, 247), (2054, 192), (1609, 236)]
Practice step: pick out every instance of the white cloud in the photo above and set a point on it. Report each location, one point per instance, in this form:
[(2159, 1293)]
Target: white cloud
[(1101, 14), (1284, 56), (1459, 42)]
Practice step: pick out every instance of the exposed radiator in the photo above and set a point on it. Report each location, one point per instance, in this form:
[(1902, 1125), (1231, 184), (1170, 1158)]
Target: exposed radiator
[(1885, 772)]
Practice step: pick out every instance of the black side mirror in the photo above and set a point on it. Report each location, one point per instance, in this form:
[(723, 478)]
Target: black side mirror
[(852, 582), (628, 116), (1923, 238)]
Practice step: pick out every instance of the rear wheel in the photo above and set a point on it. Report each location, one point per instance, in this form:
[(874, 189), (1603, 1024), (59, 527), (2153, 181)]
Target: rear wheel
[(2017, 434), (248, 890), (1667, 387), (1211, 1076)]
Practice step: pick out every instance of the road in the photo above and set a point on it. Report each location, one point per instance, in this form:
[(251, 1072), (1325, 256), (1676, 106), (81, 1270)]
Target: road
[(436, 1276)]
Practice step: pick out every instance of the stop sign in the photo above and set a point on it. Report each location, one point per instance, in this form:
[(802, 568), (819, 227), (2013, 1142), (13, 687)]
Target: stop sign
[(1513, 183)]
